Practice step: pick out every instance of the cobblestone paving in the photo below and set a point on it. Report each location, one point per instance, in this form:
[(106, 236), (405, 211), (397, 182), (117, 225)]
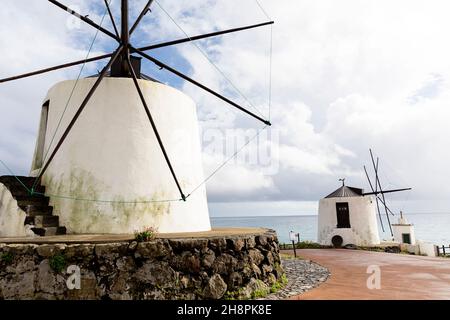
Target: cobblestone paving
[(302, 275)]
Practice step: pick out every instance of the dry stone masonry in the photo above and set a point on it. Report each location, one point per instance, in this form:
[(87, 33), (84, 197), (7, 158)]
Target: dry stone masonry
[(201, 268)]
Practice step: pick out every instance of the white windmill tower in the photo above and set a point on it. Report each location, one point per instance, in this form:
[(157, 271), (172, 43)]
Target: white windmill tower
[(348, 215), (121, 154)]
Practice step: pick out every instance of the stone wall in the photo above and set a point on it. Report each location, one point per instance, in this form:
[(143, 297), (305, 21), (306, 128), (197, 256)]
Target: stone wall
[(201, 268)]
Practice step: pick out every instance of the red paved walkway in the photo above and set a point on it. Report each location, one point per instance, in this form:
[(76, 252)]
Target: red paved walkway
[(402, 276)]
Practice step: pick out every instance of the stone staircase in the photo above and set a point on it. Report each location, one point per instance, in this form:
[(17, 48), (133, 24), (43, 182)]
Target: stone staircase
[(39, 214)]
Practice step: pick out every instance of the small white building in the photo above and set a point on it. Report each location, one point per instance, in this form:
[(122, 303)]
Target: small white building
[(404, 231), (347, 216)]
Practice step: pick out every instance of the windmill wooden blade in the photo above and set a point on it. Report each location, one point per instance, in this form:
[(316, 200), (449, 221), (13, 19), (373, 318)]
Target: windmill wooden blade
[(198, 84), (379, 214), (386, 191), (384, 202), (85, 19), (376, 189), (378, 184), (204, 36), (146, 48), (375, 167), (62, 66), (155, 130), (376, 194), (376, 198), (113, 22), (143, 13)]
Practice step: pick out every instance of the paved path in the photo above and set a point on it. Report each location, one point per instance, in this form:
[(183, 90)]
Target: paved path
[(302, 275), (402, 276)]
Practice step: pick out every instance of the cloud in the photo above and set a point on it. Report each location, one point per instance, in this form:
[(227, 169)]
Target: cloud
[(236, 182), (34, 35), (344, 77), (347, 75), (431, 88)]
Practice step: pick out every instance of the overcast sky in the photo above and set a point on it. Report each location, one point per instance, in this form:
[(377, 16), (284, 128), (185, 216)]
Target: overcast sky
[(347, 76)]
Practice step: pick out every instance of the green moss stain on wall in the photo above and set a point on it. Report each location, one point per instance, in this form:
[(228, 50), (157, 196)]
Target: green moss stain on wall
[(77, 199), (69, 194)]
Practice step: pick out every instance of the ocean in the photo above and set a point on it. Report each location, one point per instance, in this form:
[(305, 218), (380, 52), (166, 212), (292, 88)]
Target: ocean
[(429, 227)]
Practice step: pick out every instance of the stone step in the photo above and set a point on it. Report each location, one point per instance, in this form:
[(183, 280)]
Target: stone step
[(43, 221), (37, 210), (17, 191), (32, 200), (25, 195), (13, 181), (39, 213), (49, 231)]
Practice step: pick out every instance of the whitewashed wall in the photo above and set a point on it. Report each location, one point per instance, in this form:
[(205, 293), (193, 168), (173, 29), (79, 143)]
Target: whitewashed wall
[(363, 221), (112, 155), (12, 218), (398, 230), (427, 249)]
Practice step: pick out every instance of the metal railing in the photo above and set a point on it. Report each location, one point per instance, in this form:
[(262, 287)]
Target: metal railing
[(443, 250)]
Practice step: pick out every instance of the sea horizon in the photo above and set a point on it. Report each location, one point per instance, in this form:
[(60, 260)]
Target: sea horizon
[(310, 215), (429, 227)]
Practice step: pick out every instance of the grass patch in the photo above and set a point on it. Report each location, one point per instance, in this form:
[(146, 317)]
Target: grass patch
[(375, 249), (310, 245), (233, 295), (58, 262), (303, 245), (287, 256), (279, 284), (284, 279), (389, 249), (146, 235), (262, 291)]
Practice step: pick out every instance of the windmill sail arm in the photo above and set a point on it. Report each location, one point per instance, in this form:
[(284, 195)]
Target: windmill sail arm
[(368, 179), (62, 66), (385, 205), (143, 13), (85, 19), (378, 184), (146, 48), (155, 130), (376, 199), (183, 76), (386, 191), (111, 17), (203, 36)]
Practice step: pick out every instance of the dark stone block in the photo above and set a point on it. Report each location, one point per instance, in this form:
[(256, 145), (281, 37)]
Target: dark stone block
[(154, 249), (218, 244), (215, 288), (261, 240), (224, 264), (234, 281)]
